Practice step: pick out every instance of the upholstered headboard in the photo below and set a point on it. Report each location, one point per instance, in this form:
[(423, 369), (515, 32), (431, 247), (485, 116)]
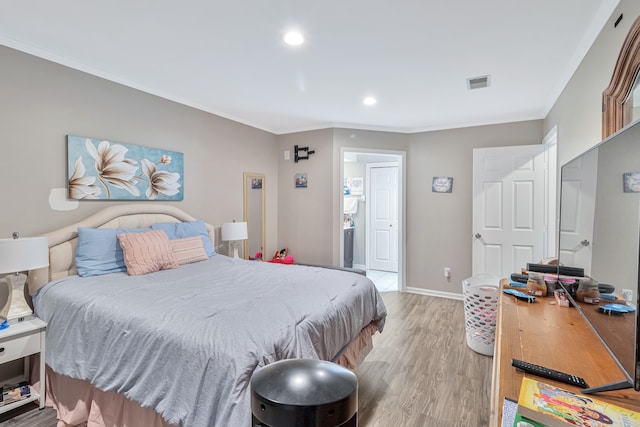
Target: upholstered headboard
[(63, 242)]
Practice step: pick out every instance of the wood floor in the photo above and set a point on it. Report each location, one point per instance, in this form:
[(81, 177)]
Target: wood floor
[(420, 372)]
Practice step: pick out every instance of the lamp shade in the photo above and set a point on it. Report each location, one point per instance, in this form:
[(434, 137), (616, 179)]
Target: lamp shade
[(26, 253), (234, 231)]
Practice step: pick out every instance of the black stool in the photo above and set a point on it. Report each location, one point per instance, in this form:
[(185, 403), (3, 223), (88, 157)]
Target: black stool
[(304, 393)]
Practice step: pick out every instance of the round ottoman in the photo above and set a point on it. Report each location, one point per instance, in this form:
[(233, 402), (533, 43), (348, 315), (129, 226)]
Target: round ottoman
[(304, 393)]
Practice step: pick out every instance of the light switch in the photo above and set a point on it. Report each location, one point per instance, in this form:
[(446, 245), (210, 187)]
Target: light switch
[(287, 154)]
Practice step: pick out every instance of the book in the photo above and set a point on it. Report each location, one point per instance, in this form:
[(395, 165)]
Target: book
[(556, 407), (509, 408), (520, 421), (14, 393)]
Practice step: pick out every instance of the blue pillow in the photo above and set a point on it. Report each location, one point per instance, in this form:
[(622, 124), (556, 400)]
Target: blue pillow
[(99, 251), (179, 230)]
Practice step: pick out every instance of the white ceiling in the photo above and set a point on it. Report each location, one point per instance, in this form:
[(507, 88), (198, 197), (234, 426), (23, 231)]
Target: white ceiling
[(414, 56)]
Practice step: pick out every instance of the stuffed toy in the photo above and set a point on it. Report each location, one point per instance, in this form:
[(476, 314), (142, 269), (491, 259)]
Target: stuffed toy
[(281, 257), (281, 253)]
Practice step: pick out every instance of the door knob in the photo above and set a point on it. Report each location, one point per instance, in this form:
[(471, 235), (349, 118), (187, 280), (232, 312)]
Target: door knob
[(478, 236), (585, 242)]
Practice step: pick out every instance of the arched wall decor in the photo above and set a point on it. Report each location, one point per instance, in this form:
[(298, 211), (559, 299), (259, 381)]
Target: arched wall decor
[(622, 82)]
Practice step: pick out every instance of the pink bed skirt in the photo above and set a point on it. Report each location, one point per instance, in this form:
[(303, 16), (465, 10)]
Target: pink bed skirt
[(78, 403), (359, 348)]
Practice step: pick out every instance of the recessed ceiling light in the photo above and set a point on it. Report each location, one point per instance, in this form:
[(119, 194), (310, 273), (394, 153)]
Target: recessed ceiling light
[(369, 100), (293, 38)]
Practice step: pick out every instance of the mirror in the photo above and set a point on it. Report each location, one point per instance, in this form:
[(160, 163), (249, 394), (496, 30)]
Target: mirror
[(599, 231), (254, 202)]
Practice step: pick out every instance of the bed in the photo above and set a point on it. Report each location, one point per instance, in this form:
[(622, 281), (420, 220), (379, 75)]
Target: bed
[(177, 346)]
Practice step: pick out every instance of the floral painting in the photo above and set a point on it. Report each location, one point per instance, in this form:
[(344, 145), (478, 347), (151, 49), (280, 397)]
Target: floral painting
[(442, 184), (105, 170)]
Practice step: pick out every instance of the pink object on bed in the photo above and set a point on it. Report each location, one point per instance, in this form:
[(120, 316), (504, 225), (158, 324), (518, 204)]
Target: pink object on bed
[(147, 252), (188, 250)]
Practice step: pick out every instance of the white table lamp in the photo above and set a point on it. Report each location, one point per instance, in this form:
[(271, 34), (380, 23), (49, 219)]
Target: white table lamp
[(18, 255), (232, 232)]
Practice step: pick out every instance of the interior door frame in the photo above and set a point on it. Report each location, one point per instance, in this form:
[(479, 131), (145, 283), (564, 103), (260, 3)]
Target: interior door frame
[(402, 195), (551, 194)]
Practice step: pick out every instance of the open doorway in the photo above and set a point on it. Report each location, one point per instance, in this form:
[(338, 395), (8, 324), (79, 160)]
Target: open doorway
[(372, 215)]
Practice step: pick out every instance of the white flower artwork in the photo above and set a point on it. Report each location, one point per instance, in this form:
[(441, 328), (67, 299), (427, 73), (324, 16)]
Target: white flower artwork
[(105, 170)]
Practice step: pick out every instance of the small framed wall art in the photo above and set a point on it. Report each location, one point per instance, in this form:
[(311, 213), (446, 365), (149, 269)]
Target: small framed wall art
[(442, 184), (301, 180), (256, 183), (631, 182)]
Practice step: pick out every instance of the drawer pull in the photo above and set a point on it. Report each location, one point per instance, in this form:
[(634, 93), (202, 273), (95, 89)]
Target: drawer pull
[(1, 349)]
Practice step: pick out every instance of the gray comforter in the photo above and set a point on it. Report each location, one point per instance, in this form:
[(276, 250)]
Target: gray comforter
[(185, 342)]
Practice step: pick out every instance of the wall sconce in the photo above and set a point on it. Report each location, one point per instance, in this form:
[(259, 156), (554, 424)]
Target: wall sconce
[(297, 156)]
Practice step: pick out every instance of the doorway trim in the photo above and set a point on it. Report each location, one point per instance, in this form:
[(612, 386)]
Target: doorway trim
[(402, 193), (551, 195)]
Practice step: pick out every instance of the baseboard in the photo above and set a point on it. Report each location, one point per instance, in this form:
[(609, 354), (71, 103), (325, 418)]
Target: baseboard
[(429, 292), (360, 266)]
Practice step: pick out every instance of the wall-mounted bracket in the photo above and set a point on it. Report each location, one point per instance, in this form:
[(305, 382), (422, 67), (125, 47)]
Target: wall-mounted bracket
[(297, 156)]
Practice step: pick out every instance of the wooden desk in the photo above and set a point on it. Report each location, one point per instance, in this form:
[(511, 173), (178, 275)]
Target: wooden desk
[(554, 337)]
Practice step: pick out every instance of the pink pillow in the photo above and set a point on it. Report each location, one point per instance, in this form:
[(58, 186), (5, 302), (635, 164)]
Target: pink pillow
[(188, 250), (147, 252)]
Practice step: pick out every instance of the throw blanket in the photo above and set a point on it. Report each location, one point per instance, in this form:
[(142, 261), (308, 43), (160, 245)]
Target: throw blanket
[(186, 342)]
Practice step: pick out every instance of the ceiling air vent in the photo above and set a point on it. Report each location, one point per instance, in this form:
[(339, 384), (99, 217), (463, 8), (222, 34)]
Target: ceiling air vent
[(478, 82)]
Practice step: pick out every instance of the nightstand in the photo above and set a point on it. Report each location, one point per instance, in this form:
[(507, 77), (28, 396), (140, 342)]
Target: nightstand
[(20, 340)]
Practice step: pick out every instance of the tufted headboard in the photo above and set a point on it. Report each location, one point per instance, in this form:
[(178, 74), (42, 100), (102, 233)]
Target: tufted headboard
[(63, 242)]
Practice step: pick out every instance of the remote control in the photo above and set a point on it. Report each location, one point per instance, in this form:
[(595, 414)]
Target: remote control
[(541, 371)]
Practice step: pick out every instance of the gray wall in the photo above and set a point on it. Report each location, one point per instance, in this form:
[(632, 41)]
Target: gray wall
[(578, 111), (305, 215), (41, 102), (439, 224)]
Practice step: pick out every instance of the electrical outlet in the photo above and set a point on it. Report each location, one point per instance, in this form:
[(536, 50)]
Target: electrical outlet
[(447, 272)]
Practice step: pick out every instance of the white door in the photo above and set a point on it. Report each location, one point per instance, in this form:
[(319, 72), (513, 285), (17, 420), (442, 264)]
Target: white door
[(383, 217), (508, 208), (578, 208)]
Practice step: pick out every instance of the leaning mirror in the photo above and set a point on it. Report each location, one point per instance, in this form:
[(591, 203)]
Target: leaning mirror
[(254, 202)]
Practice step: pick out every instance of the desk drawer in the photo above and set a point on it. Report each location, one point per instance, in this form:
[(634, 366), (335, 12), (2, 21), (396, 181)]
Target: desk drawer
[(16, 348)]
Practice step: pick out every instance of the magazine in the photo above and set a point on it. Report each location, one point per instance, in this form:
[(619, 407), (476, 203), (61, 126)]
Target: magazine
[(556, 407)]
